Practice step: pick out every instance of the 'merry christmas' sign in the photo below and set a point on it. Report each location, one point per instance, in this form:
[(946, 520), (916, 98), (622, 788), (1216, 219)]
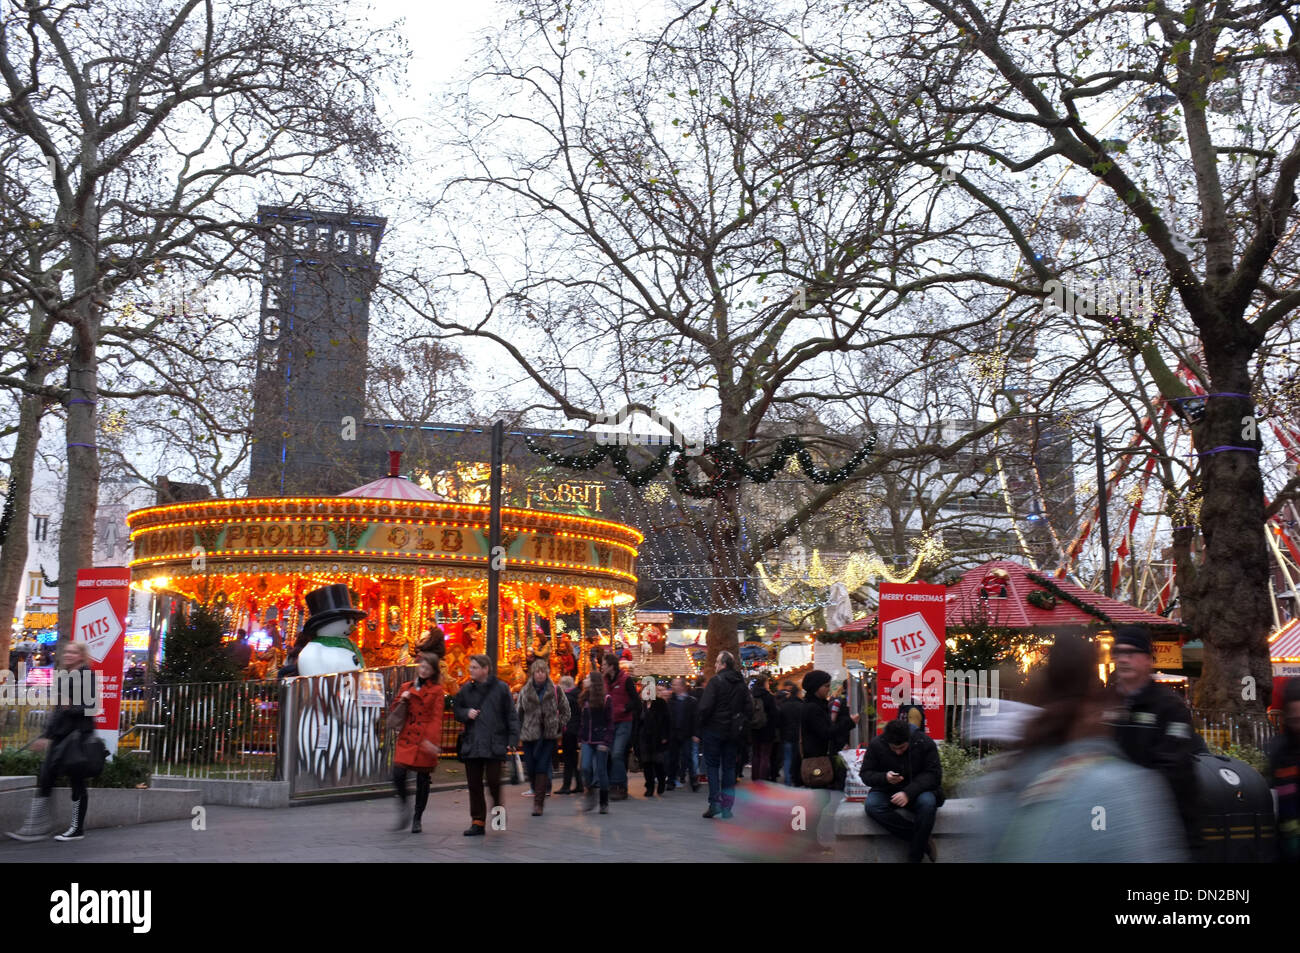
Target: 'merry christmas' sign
[(911, 652), (99, 620)]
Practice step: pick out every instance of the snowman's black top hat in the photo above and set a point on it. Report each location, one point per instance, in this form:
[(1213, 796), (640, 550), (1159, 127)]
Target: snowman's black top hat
[(328, 604)]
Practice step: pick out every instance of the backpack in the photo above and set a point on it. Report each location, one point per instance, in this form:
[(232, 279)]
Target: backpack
[(743, 715), (758, 717)]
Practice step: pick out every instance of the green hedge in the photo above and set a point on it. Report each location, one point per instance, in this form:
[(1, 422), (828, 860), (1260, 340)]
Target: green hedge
[(126, 770), (959, 766)]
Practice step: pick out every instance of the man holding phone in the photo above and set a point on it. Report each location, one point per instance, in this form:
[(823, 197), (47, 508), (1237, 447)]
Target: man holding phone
[(903, 771)]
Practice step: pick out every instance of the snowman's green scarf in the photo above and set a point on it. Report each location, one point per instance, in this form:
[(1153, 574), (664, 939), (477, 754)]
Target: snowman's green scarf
[(339, 642)]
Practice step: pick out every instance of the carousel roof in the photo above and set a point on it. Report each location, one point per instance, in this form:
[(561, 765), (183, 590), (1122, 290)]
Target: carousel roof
[(1076, 607), (394, 488), (1284, 644)]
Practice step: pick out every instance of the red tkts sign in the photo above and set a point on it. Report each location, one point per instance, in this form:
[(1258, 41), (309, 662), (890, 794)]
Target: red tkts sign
[(99, 620), (912, 637)]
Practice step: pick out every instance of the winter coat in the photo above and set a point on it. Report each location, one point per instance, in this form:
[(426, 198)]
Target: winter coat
[(1154, 729), (767, 734), (1284, 777), (496, 728), (1046, 806), (420, 718), (66, 719), (791, 708), (652, 741), (919, 765), (683, 714), (596, 726), (821, 736), (725, 696), (542, 717), (624, 697), (575, 711)]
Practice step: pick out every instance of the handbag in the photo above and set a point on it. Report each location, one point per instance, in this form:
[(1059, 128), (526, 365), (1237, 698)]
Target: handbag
[(82, 755), (818, 772)]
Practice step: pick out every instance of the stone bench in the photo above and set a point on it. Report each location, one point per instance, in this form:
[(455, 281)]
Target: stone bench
[(956, 830), (109, 807)]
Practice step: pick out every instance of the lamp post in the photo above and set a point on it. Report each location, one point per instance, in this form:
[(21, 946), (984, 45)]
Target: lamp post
[(496, 560), (1101, 512)]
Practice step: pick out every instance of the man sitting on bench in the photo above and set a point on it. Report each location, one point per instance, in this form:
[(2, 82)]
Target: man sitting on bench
[(902, 769)]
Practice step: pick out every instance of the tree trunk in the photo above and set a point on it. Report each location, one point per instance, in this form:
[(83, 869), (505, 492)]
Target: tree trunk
[(77, 531), (1229, 596), (13, 556), (725, 559)]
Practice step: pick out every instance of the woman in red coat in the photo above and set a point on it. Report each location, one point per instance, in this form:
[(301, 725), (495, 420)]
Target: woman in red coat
[(417, 718)]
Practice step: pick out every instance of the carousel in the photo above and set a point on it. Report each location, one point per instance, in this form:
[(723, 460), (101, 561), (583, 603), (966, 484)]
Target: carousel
[(411, 559)]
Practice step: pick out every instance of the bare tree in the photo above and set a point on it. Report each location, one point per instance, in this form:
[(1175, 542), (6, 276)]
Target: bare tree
[(675, 211), (1117, 144), (146, 132)]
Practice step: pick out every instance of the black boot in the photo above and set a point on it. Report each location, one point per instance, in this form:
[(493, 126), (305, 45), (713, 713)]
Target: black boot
[(604, 800), (78, 829)]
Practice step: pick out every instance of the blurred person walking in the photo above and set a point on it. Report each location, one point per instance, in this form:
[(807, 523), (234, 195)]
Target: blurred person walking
[(73, 749), (683, 712), (543, 714), (417, 719), (569, 740), (1070, 795), (484, 706)]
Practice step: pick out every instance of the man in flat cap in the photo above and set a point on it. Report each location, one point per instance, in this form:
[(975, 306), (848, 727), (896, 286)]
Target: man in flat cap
[(1153, 725)]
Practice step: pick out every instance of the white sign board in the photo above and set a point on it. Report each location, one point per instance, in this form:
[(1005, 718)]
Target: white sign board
[(908, 642), (98, 626)]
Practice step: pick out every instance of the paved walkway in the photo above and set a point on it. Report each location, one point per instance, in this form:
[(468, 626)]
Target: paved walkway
[(667, 830)]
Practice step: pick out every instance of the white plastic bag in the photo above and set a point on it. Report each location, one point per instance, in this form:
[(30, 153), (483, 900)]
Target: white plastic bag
[(854, 789)]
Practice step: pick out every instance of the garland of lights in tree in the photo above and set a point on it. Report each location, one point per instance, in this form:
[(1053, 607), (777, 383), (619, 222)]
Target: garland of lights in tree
[(730, 466), (730, 469)]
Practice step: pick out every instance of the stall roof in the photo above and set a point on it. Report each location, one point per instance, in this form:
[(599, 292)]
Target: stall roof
[(1284, 644), (1076, 607)]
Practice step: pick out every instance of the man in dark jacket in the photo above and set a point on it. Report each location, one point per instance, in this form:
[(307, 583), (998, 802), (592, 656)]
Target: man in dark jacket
[(1284, 774), (760, 765), (903, 771), (791, 708), (683, 709), (484, 706), (724, 715), (569, 740), (1152, 725)]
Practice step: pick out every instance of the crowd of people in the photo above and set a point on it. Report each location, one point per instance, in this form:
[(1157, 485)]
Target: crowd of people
[(588, 734), (1100, 773)]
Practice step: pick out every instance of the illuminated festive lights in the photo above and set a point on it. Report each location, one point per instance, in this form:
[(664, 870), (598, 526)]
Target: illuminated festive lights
[(541, 516)]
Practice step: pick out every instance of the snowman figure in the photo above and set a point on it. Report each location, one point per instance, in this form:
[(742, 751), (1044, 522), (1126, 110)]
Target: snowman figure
[(330, 619), (335, 732)]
